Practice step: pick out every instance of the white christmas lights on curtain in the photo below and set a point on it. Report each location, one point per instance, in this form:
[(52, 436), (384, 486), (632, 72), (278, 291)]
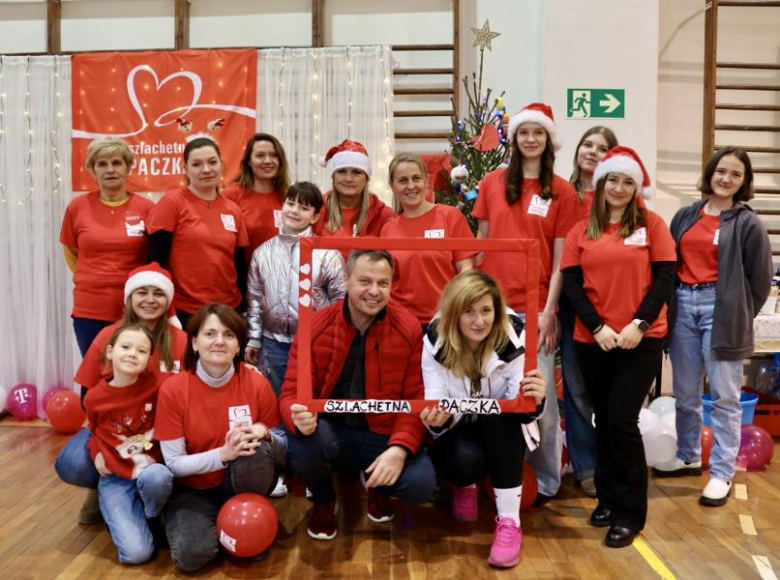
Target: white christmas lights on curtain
[(314, 98)]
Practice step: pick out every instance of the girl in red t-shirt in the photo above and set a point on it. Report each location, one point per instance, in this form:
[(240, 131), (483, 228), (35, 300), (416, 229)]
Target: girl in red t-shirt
[(214, 426), (420, 276), (526, 200), (350, 209), (200, 236), (260, 188), (618, 269), (594, 145), (133, 485), (103, 236)]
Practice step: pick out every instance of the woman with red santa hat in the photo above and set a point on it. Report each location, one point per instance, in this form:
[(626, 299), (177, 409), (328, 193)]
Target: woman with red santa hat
[(526, 200), (618, 271), (350, 209)]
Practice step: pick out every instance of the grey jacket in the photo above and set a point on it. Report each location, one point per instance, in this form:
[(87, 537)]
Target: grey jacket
[(744, 276), (272, 287)]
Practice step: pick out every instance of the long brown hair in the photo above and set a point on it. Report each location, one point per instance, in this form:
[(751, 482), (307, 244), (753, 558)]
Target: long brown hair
[(246, 177), (611, 140), (745, 192), (513, 178), (634, 217), (161, 332), (461, 292)]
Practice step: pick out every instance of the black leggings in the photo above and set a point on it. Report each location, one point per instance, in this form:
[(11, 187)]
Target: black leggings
[(489, 445), (618, 382)]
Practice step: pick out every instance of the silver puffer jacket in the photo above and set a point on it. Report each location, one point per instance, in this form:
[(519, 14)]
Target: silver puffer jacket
[(272, 289)]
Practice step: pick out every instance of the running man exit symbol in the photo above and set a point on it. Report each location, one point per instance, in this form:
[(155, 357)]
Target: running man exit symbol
[(595, 103)]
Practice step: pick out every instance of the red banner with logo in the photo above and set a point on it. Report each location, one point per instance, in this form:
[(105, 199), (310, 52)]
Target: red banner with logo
[(158, 100)]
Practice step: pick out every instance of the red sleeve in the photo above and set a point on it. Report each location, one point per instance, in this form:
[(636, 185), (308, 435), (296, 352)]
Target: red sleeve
[(67, 232), (408, 430), (662, 247), (569, 212), (458, 227), (385, 215), (169, 420), (242, 240), (91, 369), (573, 249), (164, 216), (481, 209), (232, 192), (289, 394), (267, 405)]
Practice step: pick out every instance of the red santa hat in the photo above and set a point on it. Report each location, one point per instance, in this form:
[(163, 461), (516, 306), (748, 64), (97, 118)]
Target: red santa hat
[(624, 160), (347, 154), (153, 275), (537, 113)]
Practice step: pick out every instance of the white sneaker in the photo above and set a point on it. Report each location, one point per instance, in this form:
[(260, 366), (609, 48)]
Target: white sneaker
[(280, 490), (716, 493), (677, 468)]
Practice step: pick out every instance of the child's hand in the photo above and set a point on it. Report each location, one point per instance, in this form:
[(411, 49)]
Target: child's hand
[(252, 355), (533, 385), (100, 464)]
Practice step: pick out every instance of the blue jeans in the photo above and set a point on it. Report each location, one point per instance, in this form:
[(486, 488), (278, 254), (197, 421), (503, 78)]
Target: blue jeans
[(127, 503), (691, 356), (546, 459), (314, 457), (86, 330), (74, 464), (580, 432), (275, 355)]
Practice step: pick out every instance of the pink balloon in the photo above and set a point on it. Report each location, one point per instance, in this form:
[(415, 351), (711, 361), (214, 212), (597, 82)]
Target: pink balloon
[(22, 401), (51, 392), (756, 448)]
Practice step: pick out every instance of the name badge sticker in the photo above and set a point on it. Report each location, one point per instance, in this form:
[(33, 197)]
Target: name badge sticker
[(239, 416), (278, 222), (228, 222), (134, 226), (638, 238), (434, 233), (539, 206), (715, 239)]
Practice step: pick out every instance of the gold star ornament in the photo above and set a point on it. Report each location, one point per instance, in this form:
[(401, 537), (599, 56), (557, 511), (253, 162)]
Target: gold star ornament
[(484, 36)]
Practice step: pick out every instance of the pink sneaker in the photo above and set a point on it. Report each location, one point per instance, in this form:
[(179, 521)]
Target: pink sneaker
[(505, 551), (464, 504)]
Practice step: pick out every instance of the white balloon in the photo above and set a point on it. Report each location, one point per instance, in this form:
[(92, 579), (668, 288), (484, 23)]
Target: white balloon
[(660, 444), (662, 405), (647, 421), (669, 420), (3, 395)]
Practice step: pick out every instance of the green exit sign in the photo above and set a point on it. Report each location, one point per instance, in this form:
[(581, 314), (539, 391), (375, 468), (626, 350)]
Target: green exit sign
[(595, 103)]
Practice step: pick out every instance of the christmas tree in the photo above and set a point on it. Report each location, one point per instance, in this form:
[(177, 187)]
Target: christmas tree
[(479, 142)]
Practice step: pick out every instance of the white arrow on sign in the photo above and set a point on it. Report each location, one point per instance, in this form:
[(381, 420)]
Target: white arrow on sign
[(611, 103)]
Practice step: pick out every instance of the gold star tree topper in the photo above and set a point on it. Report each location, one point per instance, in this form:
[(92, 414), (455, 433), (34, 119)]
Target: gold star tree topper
[(484, 36)]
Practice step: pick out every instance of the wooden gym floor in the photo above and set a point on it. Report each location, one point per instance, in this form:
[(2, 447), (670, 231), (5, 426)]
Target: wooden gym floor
[(40, 538)]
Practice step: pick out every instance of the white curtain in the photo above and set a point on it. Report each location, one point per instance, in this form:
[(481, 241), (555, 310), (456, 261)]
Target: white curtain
[(38, 345), (314, 98)]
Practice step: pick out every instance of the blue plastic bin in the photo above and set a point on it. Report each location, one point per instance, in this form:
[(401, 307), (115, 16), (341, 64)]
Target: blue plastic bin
[(747, 401)]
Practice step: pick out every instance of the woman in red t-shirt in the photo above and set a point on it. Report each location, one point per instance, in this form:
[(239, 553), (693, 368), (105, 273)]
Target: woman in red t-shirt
[(103, 236), (200, 236), (350, 209), (526, 200), (580, 433), (214, 425), (260, 188), (618, 271), (420, 276)]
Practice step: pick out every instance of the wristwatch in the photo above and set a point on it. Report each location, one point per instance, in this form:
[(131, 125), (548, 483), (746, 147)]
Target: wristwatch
[(641, 324)]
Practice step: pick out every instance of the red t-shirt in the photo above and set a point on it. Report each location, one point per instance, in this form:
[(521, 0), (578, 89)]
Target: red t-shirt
[(202, 414), (92, 368), (420, 276), (530, 217), (617, 272), (205, 237), (586, 203), (262, 213), (122, 423), (111, 242), (699, 251)]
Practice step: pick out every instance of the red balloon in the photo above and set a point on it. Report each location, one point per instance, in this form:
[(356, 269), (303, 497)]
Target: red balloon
[(756, 448), (65, 413), (51, 392), (22, 401), (247, 525), (706, 445)]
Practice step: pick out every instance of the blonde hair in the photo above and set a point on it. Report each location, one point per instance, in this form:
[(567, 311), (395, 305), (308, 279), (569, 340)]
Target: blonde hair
[(333, 206), (397, 160), (108, 147), (458, 295), (634, 217)]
